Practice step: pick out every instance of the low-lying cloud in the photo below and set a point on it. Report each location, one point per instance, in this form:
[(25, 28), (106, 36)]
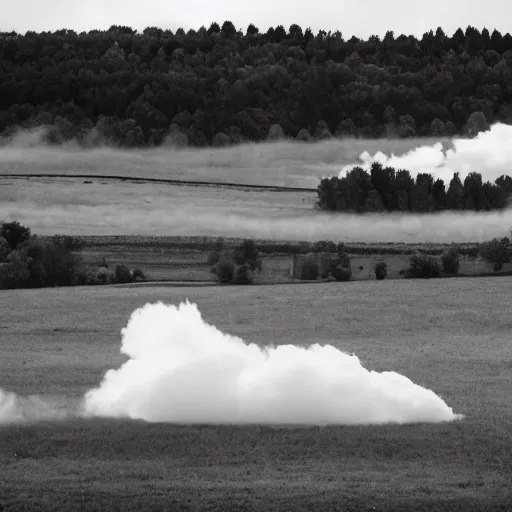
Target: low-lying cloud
[(489, 153), (183, 370)]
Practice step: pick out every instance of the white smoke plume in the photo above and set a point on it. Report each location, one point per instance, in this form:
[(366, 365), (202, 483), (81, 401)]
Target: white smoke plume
[(489, 153), (183, 370), (16, 409)]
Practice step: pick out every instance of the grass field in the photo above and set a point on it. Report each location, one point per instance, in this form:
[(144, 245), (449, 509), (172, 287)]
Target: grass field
[(103, 207), (451, 336)]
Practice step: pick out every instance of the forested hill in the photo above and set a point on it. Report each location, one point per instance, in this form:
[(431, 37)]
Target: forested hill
[(221, 86)]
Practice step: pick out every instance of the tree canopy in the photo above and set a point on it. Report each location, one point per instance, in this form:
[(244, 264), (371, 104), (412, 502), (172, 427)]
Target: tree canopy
[(222, 85), (387, 189)]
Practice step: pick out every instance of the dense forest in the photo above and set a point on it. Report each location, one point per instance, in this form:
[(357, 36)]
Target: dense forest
[(220, 86), (388, 189)]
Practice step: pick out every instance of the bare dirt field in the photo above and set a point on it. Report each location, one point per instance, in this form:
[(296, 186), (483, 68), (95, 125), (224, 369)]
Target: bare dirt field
[(449, 335)]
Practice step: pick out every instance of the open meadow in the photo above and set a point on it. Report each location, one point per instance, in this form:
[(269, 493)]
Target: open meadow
[(451, 336), (106, 207)]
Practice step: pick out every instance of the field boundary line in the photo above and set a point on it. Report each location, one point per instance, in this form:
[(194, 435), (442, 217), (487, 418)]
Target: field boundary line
[(169, 181)]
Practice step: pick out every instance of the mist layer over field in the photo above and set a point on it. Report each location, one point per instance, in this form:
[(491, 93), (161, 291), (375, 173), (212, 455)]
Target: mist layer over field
[(120, 208), (183, 370), (16, 409), (113, 208), (279, 163)]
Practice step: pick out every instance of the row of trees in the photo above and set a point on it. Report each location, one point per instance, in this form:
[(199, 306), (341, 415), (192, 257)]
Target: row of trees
[(222, 86), (388, 189), (30, 262), (336, 267), (235, 266)]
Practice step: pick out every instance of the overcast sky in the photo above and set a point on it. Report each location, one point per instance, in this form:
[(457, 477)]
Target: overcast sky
[(359, 17)]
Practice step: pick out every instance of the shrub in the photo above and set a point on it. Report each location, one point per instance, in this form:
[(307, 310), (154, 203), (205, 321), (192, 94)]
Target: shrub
[(225, 270), (87, 278), (496, 252), (423, 267), (123, 274), (342, 273), (335, 266), (14, 233), (138, 274), (381, 271), (450, 261), (105, 276), (242, 275), (247, 254), (309, 269)]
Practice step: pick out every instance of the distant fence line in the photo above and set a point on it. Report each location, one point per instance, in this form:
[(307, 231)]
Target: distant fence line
[(168, 181)]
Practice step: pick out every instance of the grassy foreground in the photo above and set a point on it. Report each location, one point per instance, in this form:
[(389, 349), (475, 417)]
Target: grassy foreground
[(451, 336)]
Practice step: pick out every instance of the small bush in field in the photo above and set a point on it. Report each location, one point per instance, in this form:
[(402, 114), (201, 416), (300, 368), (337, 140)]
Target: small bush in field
[(225, 270), (88, 278), (309, 269), (242, 275), (496, 252), (424, 267), (235, 266), (381, 271), (138, 274), (105, 276), (342, 273), (450, 261), (123, 274)]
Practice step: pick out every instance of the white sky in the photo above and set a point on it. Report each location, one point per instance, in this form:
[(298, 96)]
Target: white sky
[(359, 17)]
